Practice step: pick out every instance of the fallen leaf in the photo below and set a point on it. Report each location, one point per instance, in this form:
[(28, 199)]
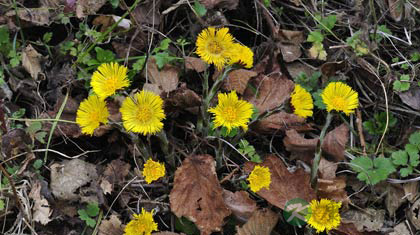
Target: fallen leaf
[(334, 189), (327, 169), (182, 98), (194, 63), (396, 9), (197, 194), (88, 7), (238, 80), (290, 52), (70, 176), (296, 68), (329, 69), (41, 210), (31, 61), (401, 229), (394, 198), (411, 97), (240, 204), (262, 222), (35, 16), (225, 4), (167, 233), (147, 13), (346, 229), (111, 226), (414, 215), (411, 190), (167, 78), (284, 184), (281, 121), (114, 173), (105, 21), (369, 220), (290, 36), (15, 141)]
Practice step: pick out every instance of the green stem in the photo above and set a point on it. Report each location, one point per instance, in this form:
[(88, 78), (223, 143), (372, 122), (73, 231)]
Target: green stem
[(318, 153), (164, 144), (144, 151), (200, 121), (41, 120)]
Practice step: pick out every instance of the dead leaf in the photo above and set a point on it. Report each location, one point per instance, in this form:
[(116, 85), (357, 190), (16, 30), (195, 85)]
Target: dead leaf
[(334, 189), (281, 121), (329, 69), (346, 229), (105, 21), (70, 176), (88, 7), (290, 52), (411, 97), (284, 184), (396, 9), (167, 78), (411, 190), (194, 63), (15, 141), (111, 226), (296, 68), (290, 36), (327, 169), (167, 233), (114, 173), (31, 61), (197, 194), (147, 13), (238, 80), (41, 208), (240, 204), (414, 214), (182, 98), (225, 4), (394, 198), (262, 222), (369, 220), (401, 229), (36, 16)]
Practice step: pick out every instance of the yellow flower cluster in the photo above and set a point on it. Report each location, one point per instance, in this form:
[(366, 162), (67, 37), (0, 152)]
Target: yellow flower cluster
[(218, 47), (141, 224), (153, 170), (324, 215), (259, 178)]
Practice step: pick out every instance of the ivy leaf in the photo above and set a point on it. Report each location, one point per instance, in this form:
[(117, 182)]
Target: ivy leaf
[(399, 157)]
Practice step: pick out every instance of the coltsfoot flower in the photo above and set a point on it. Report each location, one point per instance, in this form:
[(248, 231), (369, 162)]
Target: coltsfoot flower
[(302, 102), (91, 113), (153, 170), (259, 178), (340, 97), (108, 79), (141, 224), (324, 215)]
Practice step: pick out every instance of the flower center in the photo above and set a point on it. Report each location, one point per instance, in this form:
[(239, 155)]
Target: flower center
[(214, 47), (339, 103), (231, 114), (94, 117), (144, 114), (111, 84), (321, 215)]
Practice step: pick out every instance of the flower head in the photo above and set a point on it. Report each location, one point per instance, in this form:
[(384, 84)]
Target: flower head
[(92, 111), (143, 113), (142, 224), (214, 46), (242, 54), (259, 178), (340, 97), (231, 112), (153, 170), (324, 215), (108, 79), (302, 102)]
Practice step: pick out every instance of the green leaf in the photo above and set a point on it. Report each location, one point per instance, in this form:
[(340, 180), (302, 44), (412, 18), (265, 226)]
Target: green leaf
[(318, 100), (400, 157), (328, 22), (163, 46), (413, 153), (405, 77), (267, 3), (315, 36), (361, 164), (256, 158), (114, 3), (415, 57), (40, 136), (162, 58), (186, 226), (34, 127), (47, 37), (104, 56), (199, 8), (85, 217), (415, 139), (404, 172), (92, 209), (19, 113), (139, 64), (400, 86), (37, 164), (2, 205), (384, 163)]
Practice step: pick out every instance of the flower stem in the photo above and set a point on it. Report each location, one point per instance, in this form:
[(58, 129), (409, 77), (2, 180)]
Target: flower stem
[(164, 144), (318, 152)]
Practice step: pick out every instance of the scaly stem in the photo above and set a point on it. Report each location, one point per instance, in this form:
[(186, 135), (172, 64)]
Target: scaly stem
[(318, 152), (164, 144)]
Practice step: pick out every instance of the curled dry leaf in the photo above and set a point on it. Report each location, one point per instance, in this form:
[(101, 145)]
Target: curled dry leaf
[(330, 186), (70, 176), (31, 61), (182, 98), (346, 229), (114, 173), (35, 16), (262, 222), (41, 208), (400, 229), (111, 226), (284, 184), (411, 97), (329, 69), (240, 204), (194, 63), (281, 121), (369, 220), (414, 214), (197, 194), (167, 78), (394, 198), (411, 190), (88, 7), (238, 80), (227, 4), (396, 9)]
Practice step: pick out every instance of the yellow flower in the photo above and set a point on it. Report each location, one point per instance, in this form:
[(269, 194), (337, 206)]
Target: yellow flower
[(340, 97), (153, 170), (214, 46), (302, 102), (108, 79), (142, 224), (231, 112), (143, 113), (243, 55), (92, 111), (324, 215), (259, 178)]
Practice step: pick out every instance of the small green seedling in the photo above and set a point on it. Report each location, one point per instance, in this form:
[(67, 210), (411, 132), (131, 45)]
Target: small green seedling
[(248, 150), (88, 214), (376, 125), (408, 158), (403, 84), (372, 171)]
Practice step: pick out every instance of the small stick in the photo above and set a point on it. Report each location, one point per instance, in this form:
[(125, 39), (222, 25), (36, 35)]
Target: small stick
[(360, 130)]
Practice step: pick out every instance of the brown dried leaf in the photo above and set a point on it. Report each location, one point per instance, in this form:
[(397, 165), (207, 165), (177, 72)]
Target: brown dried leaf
[(284, 185), (194, 63), (290, 36), (411, 97), (238, 80), (281, 121), (197, 194), (167, 233), (114, 173), (411, 190), (346, 229), (396, 9), (166, 79), (88, 7), (227, 4), (369, 220), (289, 51), (36, 16), (262, 222), (335, 142), (31, 61), (240, 204), (294, 142), (111, 226), (413, 214), (327, 169), (401, 229), (15, 141), (146, 13), (182, 98), (329, 69), (70, 176), (41, 208), (334, 189), (394, 198)]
